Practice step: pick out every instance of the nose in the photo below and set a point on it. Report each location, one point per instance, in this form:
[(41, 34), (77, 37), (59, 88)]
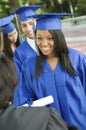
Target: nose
[(14, 35), (45, 42), (29, 27)]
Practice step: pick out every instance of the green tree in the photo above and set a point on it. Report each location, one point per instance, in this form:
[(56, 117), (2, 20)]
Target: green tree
[(4, 8), (78, 7), (81, 7)]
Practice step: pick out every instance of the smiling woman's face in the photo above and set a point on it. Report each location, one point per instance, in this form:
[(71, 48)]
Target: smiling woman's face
[(45, 42)]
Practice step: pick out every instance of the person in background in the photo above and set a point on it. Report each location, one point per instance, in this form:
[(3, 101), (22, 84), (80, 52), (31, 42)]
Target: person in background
[(22, 118), (58, 71), (28, 48), (11, 38)]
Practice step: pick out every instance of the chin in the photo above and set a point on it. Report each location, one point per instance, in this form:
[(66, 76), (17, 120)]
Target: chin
[(30, 37), (46, 54), (14, 41)]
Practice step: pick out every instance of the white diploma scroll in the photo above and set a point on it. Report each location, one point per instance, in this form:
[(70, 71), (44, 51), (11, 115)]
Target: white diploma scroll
[(41, 102)]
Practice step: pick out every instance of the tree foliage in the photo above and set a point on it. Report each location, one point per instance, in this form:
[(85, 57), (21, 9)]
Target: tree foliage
[(78, 7), (81, 7)]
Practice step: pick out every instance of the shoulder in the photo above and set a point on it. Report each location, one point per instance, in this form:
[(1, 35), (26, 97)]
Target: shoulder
[(38, 113), (77, 58), (30, 62), (22, 110), (76, 54), (22, 40), (22, 46), (44, 118), (25, 50)]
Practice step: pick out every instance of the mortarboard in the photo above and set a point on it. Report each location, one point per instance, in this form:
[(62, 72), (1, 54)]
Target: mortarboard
[(9, 28), (6, 26), (6, 20), (50, 21), (3, 23), (25, 11)]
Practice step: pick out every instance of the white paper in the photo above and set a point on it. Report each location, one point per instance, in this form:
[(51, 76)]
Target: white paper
[(41, 102)]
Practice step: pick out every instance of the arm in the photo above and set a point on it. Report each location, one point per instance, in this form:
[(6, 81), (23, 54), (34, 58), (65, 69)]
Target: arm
[(82, 72), (23, 93), (18, 63)]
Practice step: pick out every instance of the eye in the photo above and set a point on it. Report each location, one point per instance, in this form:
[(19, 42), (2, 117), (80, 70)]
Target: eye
[(50, 39), (39, 38), (10, 35), (30, 23), (24, 25)]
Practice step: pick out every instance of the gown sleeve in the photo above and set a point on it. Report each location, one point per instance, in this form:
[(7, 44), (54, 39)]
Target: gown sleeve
[(18, 63), (22, 95), (82, 71)]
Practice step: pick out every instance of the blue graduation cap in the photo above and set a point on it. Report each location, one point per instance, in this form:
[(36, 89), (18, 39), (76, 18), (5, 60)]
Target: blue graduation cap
[(9, 28), (6, 20), (50, 21), (25, 11), (6, 25)]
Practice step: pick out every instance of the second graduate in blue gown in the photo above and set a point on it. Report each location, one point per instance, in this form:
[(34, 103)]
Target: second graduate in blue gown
[(61, 74)]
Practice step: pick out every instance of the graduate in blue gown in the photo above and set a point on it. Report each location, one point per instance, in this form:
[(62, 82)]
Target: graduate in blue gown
[(11, 38), (22, 118), (58, 71), (28, 48)]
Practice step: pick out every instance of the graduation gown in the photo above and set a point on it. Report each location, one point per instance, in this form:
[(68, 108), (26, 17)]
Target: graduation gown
[(69, 92), (22, 52), (28, 118)]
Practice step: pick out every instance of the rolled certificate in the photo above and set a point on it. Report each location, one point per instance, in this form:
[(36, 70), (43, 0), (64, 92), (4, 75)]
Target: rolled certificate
[(43, 101)]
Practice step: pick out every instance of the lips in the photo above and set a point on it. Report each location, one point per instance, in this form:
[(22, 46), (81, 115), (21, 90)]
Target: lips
[(45, 48), (29, 33)]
